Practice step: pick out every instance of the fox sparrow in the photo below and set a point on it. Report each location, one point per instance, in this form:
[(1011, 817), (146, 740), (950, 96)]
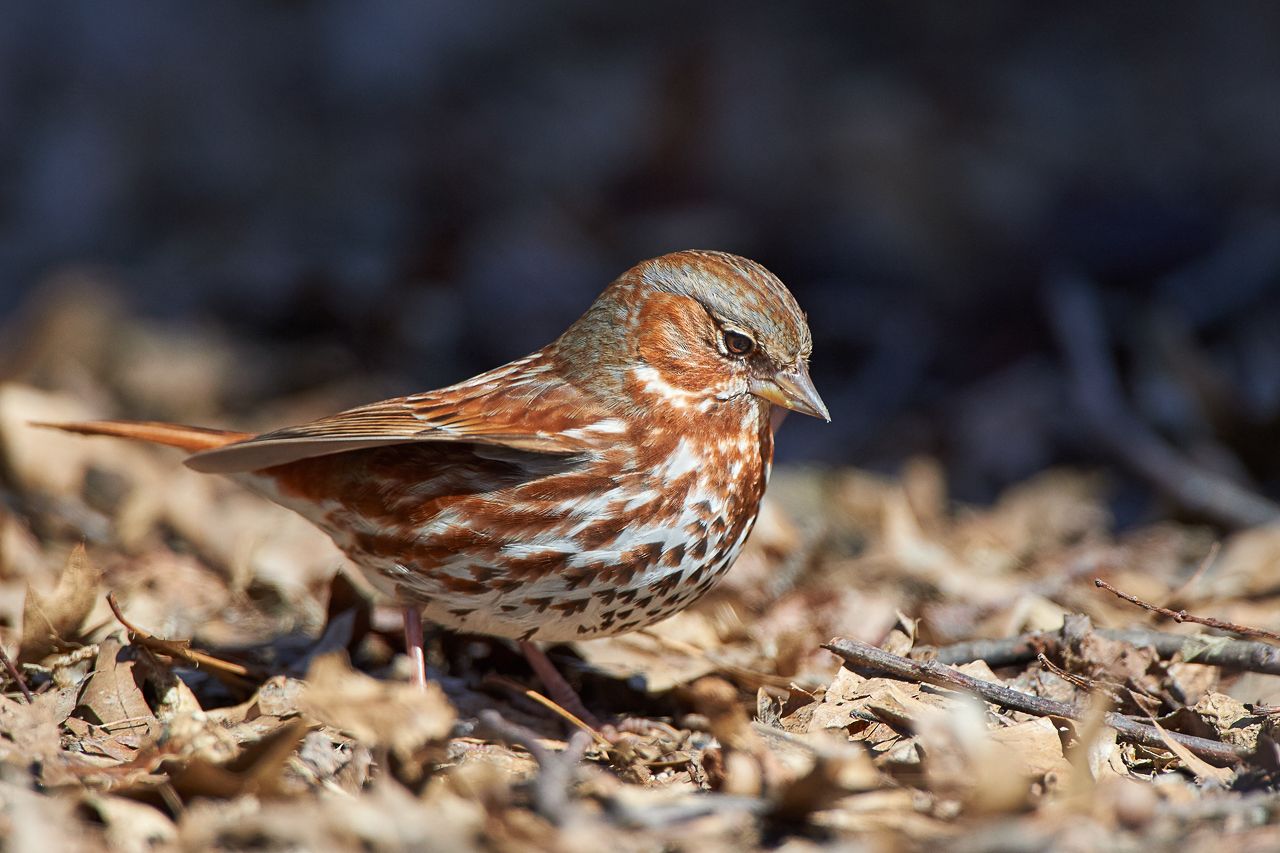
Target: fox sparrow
[(591, 488)]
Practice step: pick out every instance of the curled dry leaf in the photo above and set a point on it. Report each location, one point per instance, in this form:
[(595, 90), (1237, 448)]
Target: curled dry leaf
[(1231, 720), (1197, 765), (962, 758), (837, 770), (29, 731), (52, 621), (258, 770), (743, 765), (111, 697), (394, 715), (131, 826)]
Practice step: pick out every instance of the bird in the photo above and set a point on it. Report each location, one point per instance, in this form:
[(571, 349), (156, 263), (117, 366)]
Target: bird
[(593, 487)]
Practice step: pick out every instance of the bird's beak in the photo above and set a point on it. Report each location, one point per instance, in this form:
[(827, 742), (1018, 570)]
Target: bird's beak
[(792, 389)]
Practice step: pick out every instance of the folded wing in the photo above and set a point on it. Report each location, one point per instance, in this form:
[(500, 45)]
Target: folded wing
[(519, 405)]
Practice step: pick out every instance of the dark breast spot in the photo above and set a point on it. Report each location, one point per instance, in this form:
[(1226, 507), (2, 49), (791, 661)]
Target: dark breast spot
[(466, 586), (539, 603), (536, 566), (572, 606)]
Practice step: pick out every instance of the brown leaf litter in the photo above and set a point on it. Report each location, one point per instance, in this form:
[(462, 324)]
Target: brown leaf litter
[(238, 694)]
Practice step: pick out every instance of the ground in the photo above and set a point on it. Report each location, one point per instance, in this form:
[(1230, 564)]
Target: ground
[(241, 689)]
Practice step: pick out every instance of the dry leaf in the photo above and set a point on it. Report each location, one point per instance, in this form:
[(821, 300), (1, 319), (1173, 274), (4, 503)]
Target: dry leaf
[(399, 716), (257, 770), (1232, 721), (31, 729), (112, 698), (963, 758), (52, 622), (1193, 762), (131, 827), (1037, 746)]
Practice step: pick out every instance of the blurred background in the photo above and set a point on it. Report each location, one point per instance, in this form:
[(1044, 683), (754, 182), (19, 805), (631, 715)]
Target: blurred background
[(1024, 234)]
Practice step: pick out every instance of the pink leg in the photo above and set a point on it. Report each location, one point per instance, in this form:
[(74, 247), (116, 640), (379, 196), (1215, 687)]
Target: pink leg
[(413, 645), (560, 690)]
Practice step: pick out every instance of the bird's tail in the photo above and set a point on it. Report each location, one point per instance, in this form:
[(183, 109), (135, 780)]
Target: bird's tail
[(189, 438)]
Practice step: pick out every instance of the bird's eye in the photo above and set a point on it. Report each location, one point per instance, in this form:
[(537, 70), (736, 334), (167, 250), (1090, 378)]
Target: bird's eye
[(737, 343)]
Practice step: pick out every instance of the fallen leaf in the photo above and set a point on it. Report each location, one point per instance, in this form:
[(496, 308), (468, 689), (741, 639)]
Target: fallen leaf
[(395, 715), (1037, 746), (52, 622), (112, 698), (131, 826), (1232, 721), (964, 758), (257, 770), (1197, 765), (30, 729)]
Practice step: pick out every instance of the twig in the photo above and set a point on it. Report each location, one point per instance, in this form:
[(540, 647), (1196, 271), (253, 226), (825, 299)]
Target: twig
[(517, 689), (15, 675), (551, 793), (1077, 321), (625, 812), (1007, 651), (238, 674), (556, 771), (861, 656), (1239, 655), (1116, 693), (567, 715), (1082, 682), (1184, 616)]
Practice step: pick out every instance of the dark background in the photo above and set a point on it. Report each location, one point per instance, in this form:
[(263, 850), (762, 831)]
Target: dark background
[(419, 191)]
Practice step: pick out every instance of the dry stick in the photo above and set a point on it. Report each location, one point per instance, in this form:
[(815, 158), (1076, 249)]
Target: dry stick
[(1079, 681), (1079, 325), (556, 772), (567, 715), (1115, 693), (537, 698), (628, 812), (861, 656), (1007, 651), (15, 674), (1240, 655), (1184, 616), (234, 672)]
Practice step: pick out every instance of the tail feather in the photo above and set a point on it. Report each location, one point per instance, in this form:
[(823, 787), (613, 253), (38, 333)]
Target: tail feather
[(189, 438)]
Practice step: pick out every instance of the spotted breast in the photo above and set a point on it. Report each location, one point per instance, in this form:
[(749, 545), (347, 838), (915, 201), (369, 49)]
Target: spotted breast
[(524, 545)]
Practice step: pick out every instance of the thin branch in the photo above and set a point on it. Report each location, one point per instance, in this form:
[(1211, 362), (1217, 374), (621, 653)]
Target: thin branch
[(1082, 682), (1007, 651), (15, 674), (237, 674), (863, 657), (628, 812), (1184, 616), (1079, 325), (568, 716), (1238, 655), (556, 771)]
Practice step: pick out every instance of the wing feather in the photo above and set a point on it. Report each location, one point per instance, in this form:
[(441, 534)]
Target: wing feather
[(488, 409)]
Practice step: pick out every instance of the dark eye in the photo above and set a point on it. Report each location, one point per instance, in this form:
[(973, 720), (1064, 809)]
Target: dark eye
[(737, 343)]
